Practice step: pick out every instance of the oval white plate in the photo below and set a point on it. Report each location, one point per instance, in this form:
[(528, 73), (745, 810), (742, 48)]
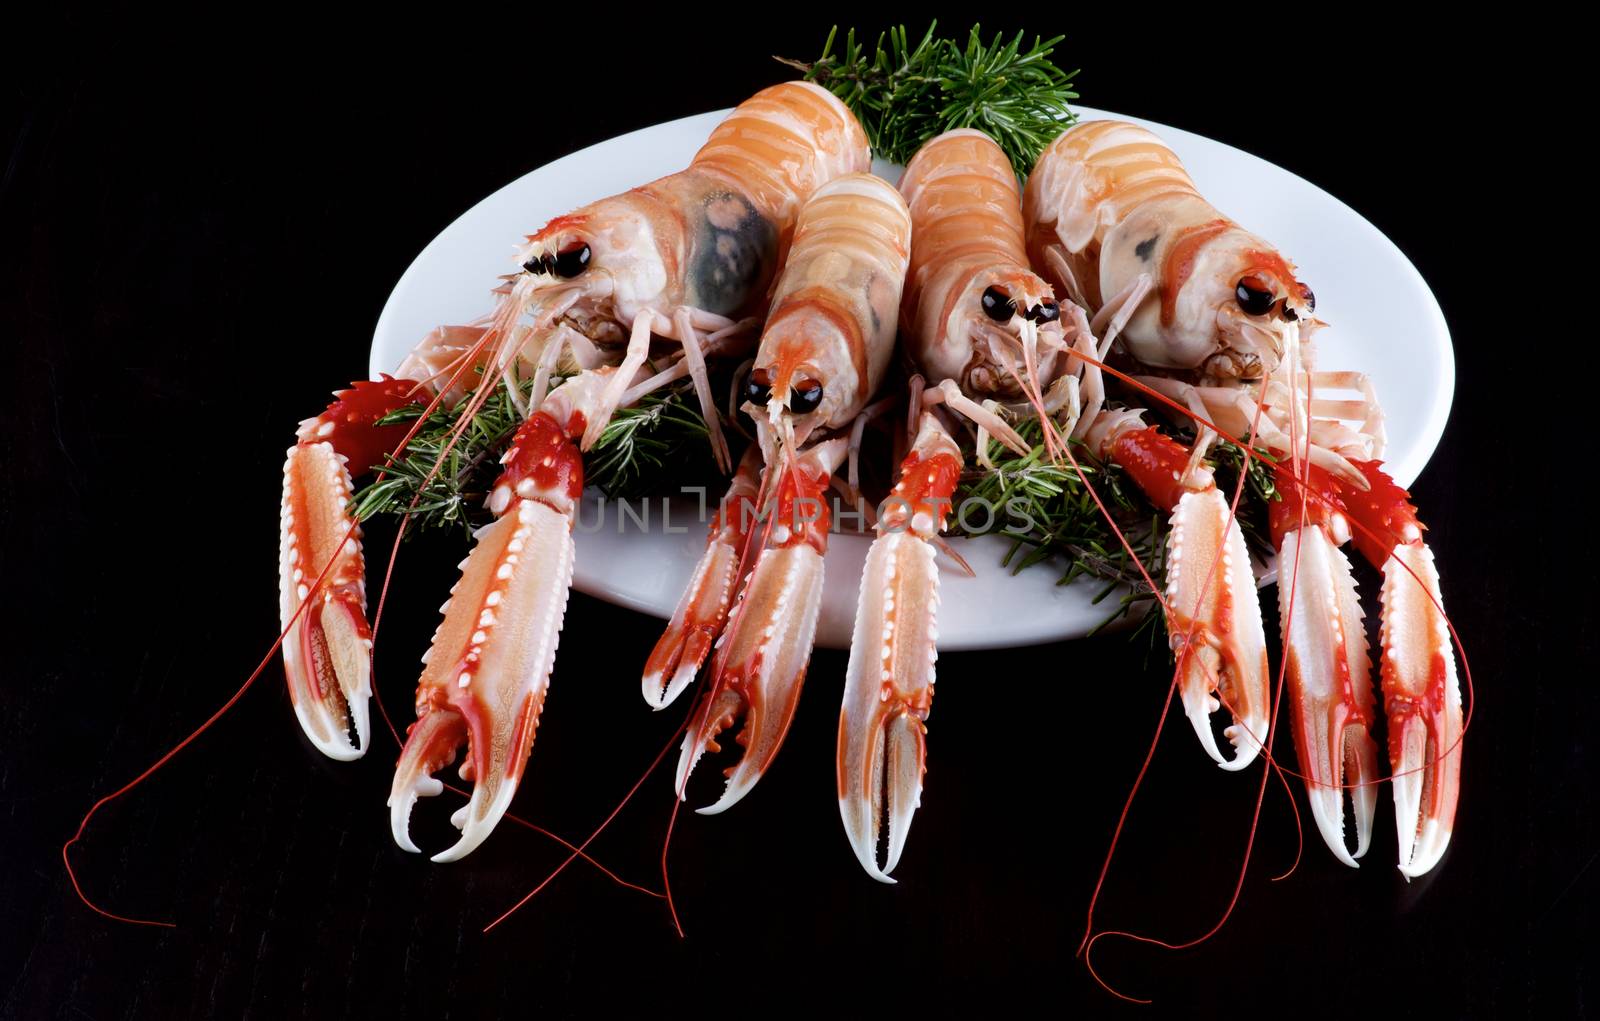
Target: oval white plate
[(1386, 323)]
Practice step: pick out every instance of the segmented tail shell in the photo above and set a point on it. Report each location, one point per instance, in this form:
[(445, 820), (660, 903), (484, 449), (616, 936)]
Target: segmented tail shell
[(1087, 180), (780, 145), (968, 213), (967, 231), (836, 305)]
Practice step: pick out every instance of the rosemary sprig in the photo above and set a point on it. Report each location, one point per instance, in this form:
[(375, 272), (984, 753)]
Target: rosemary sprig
[(661, 437), (905, 94), (453, 497), (1045, 509)]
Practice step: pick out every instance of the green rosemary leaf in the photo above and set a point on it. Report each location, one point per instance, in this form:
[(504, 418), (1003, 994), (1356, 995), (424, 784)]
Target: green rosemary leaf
[(1046, 511), (905, 94), (638, 453)]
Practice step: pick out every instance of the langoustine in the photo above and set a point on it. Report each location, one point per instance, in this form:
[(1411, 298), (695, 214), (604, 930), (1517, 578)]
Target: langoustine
[(982, 330), (823, 355), (685, 259), (1216, 321)]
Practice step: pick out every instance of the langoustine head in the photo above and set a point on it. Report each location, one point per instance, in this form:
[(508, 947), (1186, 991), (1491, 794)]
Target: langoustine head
[(999, 330), (586, 268), (975, 312), (1222, 298), (1108, 203)]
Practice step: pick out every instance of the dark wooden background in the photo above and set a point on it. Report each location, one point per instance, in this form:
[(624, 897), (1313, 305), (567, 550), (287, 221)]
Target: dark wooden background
[(198, 227)]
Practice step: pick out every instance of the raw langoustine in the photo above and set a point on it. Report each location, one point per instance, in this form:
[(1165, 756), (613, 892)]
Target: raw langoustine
[(823, 354), (1216, 322), (980, 328), (686, 259)]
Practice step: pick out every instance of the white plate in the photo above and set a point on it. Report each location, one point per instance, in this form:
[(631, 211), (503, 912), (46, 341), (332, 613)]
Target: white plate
[(1386, 323)]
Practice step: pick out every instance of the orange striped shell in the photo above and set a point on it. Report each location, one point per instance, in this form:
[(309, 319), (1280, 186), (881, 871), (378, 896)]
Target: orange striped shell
[(967, 236), (1108, 201), (712, 236), (783, 143), (835, 307)]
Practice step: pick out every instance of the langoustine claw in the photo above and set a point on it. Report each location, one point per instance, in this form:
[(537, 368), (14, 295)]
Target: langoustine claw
[(321, 580), (1214, 613), (703, 609), (889, 682), (1417, 668), (486, 674), (760, 667), (1329, 670), (1329, 674)]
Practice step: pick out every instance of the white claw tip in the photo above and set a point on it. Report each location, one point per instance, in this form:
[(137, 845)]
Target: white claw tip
[(400, 805), (738, 787), (476, 820), (1245, 737), (1245, 751), (654, 692), (1200, 719), (1430, 847)]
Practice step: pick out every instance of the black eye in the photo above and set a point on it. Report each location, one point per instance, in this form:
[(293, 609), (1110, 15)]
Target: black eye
[(805, 396), (537, 265), (571, 261), (998, 306), (1252, 298), (1309, 298), (757, 390), (1047, 312)]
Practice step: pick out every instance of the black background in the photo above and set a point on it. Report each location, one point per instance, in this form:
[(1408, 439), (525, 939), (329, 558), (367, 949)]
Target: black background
[(198, 228)]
